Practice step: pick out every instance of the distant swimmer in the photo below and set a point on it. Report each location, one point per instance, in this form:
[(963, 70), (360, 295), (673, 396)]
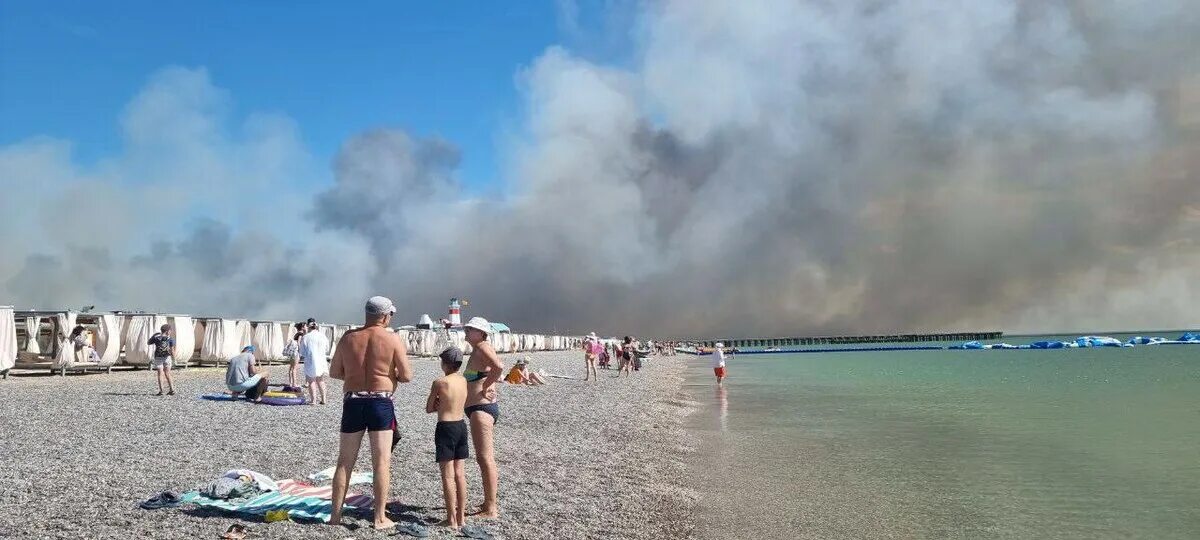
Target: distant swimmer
[(718, 362)]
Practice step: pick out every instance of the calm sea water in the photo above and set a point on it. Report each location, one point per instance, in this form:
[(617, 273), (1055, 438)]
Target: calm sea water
[(1085, 443)]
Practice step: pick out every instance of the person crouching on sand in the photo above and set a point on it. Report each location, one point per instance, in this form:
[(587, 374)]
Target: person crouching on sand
[(483, 372), (243, 375), (718, 362), (447, 398), (371, 360)]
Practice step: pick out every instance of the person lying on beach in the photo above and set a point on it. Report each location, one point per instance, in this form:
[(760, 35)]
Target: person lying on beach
[(370, 360), (244, 376), (483, 372), (447, 398)]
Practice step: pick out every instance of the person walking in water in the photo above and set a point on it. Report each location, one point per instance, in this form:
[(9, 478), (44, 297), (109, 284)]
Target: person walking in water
[(483, 371), (164, 351), (314, 350), (592, 349), (370, 360), (718, 362)]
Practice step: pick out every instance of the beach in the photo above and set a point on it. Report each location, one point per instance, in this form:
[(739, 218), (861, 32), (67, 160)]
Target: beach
[(577, 460)]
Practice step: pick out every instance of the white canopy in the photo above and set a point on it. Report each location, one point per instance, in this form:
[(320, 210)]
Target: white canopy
[(8, 339), (268, 341), (65, 357), (245, 336), (138, 330), (184, 332), (221, 340), (33, 326), (108, 339)]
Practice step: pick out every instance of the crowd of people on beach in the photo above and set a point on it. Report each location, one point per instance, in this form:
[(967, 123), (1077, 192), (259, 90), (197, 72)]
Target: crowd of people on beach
[(372, 361)]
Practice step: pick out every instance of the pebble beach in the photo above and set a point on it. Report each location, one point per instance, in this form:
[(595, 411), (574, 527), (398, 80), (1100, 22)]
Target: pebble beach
[(577, 459)]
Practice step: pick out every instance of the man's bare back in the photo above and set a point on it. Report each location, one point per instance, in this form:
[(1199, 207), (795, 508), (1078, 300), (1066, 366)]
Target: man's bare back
[(371, 359)]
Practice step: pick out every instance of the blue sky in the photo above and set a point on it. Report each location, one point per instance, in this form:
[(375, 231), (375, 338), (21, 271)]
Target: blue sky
[(434, 68)]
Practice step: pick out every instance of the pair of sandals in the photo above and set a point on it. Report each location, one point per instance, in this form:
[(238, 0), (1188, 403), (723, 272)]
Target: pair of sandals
[(171, 393)]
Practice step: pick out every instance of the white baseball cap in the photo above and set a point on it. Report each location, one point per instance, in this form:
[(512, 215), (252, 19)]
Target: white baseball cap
[(380, 305), (479, 323)]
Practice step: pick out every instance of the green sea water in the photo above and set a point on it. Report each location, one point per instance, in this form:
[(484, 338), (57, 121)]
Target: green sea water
[(1076, 443)]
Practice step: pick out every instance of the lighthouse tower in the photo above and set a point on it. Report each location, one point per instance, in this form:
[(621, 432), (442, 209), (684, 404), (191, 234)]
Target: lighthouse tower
[(455, 313)]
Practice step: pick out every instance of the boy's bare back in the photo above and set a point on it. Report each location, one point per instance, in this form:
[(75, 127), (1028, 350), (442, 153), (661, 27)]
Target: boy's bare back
[(451, 392)]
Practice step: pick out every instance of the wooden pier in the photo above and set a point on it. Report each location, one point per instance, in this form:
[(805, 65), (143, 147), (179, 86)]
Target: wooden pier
[(849, 340)]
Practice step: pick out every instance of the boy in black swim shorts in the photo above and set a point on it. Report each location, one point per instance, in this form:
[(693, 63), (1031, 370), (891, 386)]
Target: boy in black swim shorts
[(447, 398)]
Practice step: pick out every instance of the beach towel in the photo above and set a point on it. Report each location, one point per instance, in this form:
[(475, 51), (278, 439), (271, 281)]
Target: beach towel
[(301, 501), (355, 477)]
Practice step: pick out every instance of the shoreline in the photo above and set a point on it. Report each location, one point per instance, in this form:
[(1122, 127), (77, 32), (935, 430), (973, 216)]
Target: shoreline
[(577, 460)]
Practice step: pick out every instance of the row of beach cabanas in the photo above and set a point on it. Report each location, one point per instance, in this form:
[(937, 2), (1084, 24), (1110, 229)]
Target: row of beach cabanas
[(40, 339)]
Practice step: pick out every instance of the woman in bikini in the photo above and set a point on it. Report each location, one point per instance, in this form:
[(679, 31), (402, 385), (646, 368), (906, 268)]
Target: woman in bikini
[(483, 371)]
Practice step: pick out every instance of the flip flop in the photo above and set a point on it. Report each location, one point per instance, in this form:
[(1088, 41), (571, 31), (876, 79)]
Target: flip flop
[(236, 531), (411, 529), (474, 531), (166, 499)]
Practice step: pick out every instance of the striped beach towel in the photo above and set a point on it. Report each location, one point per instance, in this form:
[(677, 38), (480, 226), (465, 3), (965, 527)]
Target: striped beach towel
[(302, 501)]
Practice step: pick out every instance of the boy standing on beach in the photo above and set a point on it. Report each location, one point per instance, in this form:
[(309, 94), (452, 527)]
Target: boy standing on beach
[(447, 398), (718, 362), (164, 351)]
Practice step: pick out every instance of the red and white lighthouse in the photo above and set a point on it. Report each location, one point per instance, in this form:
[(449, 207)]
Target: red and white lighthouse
[(455, 313)]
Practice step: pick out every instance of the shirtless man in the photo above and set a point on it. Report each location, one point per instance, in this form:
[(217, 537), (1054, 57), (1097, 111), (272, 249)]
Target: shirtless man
[(483, 371), (371, 360)]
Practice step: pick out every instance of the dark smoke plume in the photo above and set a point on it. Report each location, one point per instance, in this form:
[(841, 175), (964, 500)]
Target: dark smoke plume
[(780, 168)]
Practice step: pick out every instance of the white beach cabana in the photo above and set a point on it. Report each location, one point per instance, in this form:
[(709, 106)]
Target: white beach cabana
[(8, 340), (268, 340), (222, 339), (140, 327), (184, 331), (46, 342)]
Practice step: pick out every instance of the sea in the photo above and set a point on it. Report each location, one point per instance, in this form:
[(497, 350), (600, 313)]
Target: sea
[(1067, 443)]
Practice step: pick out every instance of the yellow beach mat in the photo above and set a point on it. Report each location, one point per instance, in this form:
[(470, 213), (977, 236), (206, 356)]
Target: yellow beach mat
[(281, 394)]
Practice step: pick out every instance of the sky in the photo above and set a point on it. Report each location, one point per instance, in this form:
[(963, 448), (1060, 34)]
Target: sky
[(438, 68), (671, 168)]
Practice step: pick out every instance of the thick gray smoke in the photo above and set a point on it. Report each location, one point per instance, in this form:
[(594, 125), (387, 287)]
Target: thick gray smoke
[(767, 167)]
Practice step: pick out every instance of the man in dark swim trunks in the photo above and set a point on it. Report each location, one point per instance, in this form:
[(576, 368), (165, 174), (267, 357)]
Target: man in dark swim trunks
[(371, 360)]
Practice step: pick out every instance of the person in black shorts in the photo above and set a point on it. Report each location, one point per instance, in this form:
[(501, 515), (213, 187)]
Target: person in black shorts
[(447, 398)]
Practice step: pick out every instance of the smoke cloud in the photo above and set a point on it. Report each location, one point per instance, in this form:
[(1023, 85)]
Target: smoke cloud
[(757, 168)]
